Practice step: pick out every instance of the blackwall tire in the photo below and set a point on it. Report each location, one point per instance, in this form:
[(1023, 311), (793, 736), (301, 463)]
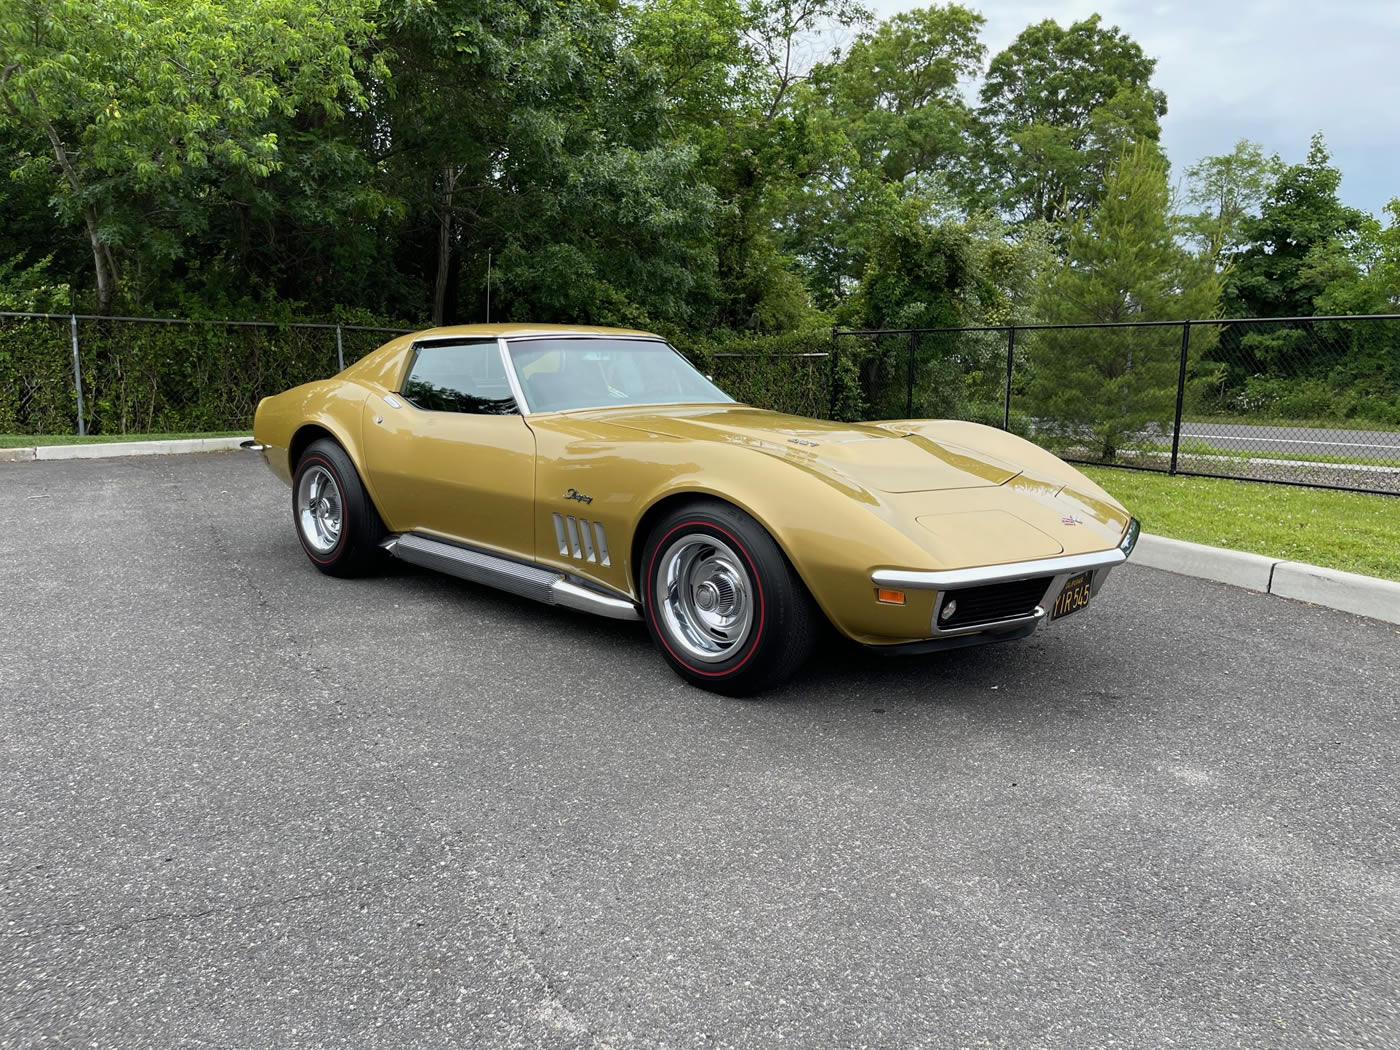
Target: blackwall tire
[(723, 605), (337, 525)]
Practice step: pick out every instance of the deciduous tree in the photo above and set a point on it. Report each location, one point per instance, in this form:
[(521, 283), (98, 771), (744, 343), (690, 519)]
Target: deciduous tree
[(159, 98), (1058, 106)]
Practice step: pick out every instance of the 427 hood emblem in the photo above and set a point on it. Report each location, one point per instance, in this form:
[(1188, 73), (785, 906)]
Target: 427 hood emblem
[(576, 494)]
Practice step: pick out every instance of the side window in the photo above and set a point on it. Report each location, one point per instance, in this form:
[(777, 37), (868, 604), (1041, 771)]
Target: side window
[(460, 377)]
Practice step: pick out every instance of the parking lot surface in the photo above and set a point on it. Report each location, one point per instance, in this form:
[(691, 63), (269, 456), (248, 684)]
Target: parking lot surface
[(242, 804)]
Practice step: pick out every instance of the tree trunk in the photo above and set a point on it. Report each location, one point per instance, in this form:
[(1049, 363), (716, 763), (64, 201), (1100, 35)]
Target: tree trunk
[(102, 266), (444, 259)]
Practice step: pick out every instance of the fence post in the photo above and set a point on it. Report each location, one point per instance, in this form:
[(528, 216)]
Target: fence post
[(77, 374), (1010, 355), (831, 371), (909, 396), (339, 350), (1180, 394)]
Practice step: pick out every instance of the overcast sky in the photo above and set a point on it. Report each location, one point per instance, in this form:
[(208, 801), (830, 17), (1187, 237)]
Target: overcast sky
[(1273, 71)]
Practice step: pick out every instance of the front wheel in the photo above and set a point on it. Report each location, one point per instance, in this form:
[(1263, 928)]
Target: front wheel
[(722, 602), (337, 524)]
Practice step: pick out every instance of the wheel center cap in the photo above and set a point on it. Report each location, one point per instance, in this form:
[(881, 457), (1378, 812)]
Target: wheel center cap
[(324, 508), (706, 596)]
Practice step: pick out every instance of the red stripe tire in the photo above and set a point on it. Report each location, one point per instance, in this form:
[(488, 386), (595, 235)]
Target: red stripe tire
[(722, 602)]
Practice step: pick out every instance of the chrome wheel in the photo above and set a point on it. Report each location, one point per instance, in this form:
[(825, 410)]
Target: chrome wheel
[(706, 597), (320, 509)]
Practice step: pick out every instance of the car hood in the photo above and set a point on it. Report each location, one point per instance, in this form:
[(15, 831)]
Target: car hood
[(875, 456)]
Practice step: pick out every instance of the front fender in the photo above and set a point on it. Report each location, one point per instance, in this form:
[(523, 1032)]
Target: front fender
[(834, 532)]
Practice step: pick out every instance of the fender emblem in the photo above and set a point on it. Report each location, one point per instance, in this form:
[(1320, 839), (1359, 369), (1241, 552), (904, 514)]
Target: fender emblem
[(576, 494), (1072, 519)]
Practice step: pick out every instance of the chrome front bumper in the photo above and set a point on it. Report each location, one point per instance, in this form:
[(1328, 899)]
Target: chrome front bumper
[(1059, 570)]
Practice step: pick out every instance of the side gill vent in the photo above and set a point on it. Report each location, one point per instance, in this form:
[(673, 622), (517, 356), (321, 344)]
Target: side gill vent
[(582, 539)]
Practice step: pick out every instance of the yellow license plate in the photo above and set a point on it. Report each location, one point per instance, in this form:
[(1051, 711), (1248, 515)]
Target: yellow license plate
[(1074, 596)]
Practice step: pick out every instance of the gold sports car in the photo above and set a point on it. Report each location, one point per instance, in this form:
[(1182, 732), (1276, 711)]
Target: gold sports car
[(595, 468)]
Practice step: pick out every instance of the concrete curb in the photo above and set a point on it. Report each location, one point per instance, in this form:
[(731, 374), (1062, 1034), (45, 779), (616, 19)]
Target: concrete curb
[(112, 449), (1332, 588), (1237, 568), (1362, 595)]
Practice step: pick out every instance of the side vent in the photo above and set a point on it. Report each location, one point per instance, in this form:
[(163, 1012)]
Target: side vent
[(581, 539)]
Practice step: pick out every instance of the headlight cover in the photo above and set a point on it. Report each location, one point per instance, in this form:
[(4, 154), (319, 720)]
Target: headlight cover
[(1130, 537)]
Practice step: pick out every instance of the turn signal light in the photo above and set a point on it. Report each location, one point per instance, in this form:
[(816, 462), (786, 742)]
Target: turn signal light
[(890, 597)]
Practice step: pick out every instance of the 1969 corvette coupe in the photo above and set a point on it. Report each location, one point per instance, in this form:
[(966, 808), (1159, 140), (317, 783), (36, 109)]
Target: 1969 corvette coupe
[(594, 468)]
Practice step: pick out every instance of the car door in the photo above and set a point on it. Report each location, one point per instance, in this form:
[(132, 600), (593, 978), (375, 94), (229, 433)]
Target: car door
[(449, 453)]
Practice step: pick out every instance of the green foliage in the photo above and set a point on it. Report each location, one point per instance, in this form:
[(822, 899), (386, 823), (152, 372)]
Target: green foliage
[(919, 275), (1351, 531), (1108, 389), (31, 289), (690, 166), (788, 373), (141, 106), (1292, 244), (1230, 188), (150, 377), (1058, 106), (36, 377)]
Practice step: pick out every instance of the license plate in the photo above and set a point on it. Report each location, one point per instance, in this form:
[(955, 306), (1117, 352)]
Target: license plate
[(1074, 596)]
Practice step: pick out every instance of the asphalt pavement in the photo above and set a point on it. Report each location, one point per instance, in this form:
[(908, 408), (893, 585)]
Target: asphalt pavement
[(1379, 446), (245, 805)]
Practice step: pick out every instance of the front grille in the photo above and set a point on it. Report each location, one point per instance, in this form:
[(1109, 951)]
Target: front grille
[(993, 603)]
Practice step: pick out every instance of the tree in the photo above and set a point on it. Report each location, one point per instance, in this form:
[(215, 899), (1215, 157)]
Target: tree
[(896, 93), (1229, 188), (1369, 283), (156, 99), (1058, 106), (1112, 388), (1300, 221), (893, 124), (760, 147)]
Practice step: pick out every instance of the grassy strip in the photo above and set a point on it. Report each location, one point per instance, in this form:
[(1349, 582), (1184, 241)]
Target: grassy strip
[(1196, 447), (1340, 530), (1334, 424), (31, 440)]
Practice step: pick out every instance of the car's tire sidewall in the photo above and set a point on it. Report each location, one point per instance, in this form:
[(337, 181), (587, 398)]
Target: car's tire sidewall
[(779, 639), (355, 550)]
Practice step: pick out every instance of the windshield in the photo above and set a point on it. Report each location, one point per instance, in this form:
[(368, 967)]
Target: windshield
[(595, 372)]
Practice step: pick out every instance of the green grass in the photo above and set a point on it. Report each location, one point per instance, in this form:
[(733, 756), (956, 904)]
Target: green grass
[(1340, 530), (1332, 423), (30, 440)]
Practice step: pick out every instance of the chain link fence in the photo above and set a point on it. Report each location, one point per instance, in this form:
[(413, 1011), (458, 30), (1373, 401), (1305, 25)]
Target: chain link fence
[(120, 375), (1306, 401), (800, 383)]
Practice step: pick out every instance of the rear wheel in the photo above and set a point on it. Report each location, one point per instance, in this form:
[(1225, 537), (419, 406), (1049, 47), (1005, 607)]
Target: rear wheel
[(337, 524), (722, 602)]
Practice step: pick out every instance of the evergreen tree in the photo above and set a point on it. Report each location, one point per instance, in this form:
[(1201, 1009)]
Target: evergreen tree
[(1114, 388)]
